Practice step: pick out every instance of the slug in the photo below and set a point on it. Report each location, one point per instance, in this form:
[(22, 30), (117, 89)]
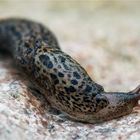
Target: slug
[(62, 81)]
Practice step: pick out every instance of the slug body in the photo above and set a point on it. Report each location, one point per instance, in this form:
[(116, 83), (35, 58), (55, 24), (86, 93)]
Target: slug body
[(65, 84)]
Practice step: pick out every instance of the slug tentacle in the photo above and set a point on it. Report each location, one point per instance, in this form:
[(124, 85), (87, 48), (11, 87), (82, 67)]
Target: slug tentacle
[(65, 84)]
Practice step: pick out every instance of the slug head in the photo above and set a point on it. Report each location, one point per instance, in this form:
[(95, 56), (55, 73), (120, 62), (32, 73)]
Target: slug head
[(120, 104)]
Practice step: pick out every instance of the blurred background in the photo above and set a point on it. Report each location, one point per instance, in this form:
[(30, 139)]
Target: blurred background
[(102, 35)]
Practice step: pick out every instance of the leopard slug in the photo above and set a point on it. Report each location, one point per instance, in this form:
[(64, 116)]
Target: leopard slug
[(62, 81)]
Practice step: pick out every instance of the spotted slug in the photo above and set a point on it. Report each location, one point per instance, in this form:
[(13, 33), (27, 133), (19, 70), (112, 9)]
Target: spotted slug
[(62, 81)]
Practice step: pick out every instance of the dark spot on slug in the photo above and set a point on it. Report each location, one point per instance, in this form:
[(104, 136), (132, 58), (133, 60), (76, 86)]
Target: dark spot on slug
[(88, 88), (94, 88), (74, 82), (56, 81), (76, 75), (22, 61), (53, 76), (40, 51), (49, 65), (84, 108), (38, 43), (98, 100), (44, 58), (60, 74), (77, 95), (44, 71), (64, 82), (27, 44), (80, 86), (46, 61), (69, 75), (44, 49), (65, 66), (55, 70), (37, 68), (29, 50), (75, 99), (61, 92), (38, 62), (86, 99), (59, 66), (68, 98), (72, 89), (66, 89), (62, 59)]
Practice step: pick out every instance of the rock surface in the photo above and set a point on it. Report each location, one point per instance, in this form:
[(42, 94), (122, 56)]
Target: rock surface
[(106, 43)]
